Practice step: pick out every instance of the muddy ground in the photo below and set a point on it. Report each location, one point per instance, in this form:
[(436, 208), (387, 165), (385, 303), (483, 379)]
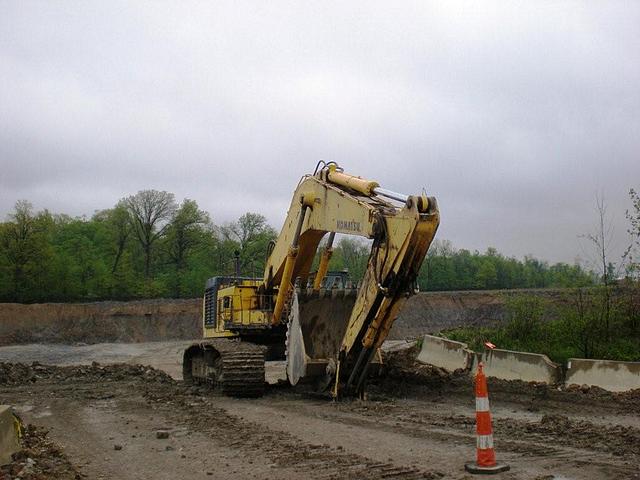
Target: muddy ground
[(103, 422)]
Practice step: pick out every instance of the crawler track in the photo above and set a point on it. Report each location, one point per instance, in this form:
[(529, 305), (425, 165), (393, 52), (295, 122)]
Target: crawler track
[(243, 373), (235, 368)]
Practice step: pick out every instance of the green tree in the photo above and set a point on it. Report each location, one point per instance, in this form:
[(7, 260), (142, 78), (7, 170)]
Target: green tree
[(25, 253), (437, 269), (187, 231), (118, 224), (632, 254), (250, 235), (351, 254), (150, 212), (487, 273)]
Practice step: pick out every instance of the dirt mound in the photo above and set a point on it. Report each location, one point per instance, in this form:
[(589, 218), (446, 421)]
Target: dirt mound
[(402, 364), (571, 398), (630, 399), (15, 373), (19, 374), (403, 375), (39, 459), (617, 439)]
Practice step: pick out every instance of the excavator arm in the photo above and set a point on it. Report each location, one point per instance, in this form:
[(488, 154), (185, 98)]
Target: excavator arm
[(401, 226)]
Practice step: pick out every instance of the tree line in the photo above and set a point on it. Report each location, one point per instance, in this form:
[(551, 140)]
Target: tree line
[(146, 246), (149, 245)]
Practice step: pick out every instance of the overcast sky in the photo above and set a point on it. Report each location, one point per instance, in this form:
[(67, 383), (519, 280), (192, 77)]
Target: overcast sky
[(514, 115)]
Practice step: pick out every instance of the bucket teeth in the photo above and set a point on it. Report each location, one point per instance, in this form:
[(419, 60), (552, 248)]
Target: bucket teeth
[(310, 294)]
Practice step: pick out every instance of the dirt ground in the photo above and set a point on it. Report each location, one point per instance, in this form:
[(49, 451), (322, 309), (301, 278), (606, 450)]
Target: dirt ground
[(103, 422)]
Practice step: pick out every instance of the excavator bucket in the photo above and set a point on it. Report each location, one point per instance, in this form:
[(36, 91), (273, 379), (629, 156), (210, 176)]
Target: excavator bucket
[(317, 324)]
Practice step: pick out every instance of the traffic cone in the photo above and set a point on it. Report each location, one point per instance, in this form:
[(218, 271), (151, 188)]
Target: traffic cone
[(485, 455)]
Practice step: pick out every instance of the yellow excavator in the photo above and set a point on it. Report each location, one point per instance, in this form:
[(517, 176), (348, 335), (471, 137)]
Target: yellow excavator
[(330, 336)]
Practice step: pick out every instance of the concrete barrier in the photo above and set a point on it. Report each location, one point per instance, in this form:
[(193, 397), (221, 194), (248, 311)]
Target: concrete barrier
[(608, 374), (445, 353), (9, 434), (528, 367)]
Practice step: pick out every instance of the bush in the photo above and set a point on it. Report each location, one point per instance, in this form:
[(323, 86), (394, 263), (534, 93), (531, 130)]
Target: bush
[(593, 323)]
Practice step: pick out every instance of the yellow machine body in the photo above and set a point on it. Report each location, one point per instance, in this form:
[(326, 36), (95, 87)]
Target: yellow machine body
[(340, 334), (238, 305)]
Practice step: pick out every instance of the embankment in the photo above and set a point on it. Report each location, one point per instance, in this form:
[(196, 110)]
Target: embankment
[(136, 321), (168, 319), (432, 312)]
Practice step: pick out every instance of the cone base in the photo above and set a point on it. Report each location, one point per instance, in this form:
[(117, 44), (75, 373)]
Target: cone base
[(475, 468)]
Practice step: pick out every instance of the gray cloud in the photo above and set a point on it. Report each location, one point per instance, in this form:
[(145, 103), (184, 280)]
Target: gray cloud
[(514, 115)]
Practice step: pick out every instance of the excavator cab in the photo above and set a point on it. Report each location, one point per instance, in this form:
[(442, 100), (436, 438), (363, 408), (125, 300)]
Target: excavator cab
[(334, 279)]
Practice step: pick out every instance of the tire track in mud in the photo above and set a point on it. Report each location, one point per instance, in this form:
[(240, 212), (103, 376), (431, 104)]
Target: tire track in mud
[(578, 442), (136, 387), (282, 448), (617, 440)]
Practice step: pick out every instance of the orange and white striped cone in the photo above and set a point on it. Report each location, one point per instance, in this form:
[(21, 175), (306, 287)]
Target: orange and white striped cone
[(485, 455)]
